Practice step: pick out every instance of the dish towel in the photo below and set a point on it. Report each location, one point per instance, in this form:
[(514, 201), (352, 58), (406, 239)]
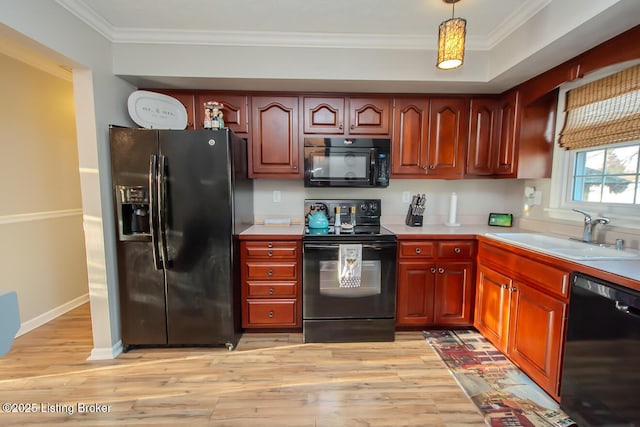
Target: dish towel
[(350, 266)]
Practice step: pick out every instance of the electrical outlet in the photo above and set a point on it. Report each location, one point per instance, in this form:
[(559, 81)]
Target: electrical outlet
[(276, 196), (406, 197)]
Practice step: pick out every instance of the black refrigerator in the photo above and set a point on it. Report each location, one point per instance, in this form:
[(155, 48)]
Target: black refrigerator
[(181, 199)]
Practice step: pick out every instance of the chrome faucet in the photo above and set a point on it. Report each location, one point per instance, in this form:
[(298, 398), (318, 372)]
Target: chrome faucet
[(589, 223)]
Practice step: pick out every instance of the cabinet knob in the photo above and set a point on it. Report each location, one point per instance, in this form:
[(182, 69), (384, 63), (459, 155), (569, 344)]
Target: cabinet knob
[(270, 244), (457, 250), (504, 286), (353, 126), (432, 167), (270, 253), (340, 126), (271, 314), (295, 166), (425, 167), (433, 270), (441, 270), (270, 272), (418, 250), (513, 289), (270, 291)]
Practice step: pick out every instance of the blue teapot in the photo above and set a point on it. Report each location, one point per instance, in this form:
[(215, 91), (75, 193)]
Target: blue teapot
[(318, 219)]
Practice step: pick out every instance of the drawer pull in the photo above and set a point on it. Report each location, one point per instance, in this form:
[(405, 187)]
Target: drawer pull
[(270, 253), (441, 270), (270, 291), (270, 244), (271, 314), (270, 272), (457, 250), (418, 250)]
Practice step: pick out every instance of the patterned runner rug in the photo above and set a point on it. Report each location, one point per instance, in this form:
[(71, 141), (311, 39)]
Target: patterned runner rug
[(503, 393)]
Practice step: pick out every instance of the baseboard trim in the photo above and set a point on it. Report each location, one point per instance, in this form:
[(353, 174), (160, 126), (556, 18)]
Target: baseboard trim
[(38, 321), (106, 353)]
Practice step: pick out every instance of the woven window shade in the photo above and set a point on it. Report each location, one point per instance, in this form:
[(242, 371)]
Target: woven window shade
[(606, 111)]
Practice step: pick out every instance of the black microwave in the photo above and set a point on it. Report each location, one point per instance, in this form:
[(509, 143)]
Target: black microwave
[(346, 162)]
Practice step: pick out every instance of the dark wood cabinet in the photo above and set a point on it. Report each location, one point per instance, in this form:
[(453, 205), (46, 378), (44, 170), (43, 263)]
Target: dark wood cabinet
[(536, 334), (369, 116), (323, 115), (274, 139), (493, 133), (493, 299), (483, 134), (521, 307), (348, 116), (236, 110), (435, 283), (429, 138), (271, 284)]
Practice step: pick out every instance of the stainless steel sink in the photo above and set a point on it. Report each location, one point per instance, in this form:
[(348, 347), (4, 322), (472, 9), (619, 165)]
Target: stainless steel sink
[(564, 247)]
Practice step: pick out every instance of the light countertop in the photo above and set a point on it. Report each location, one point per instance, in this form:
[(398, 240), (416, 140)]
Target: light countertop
[(629, 269)]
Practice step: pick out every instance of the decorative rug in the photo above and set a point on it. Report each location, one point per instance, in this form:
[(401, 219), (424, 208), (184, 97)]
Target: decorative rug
[(503, 393)]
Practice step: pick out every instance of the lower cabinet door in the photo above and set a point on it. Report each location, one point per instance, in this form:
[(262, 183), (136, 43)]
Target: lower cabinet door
[(416, 284), (454, 293), (535, 341), (492, 306)]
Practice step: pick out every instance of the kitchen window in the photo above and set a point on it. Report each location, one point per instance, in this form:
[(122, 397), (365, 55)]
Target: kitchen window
[(606, 175), (596, 161)]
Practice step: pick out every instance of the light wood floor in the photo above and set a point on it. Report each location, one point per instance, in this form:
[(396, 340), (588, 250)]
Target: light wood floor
[(269, 380)]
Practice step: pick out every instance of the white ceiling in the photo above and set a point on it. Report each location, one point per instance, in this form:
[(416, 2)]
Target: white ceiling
[(501, 35)]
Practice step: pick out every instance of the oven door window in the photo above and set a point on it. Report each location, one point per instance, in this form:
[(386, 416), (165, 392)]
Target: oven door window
[(339, 165), (369, 282)]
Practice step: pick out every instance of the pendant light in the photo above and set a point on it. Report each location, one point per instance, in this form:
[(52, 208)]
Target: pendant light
[(451, 40)]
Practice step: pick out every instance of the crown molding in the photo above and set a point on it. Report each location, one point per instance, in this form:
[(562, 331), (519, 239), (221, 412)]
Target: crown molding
[(89, 16), (515, 20), (254, 38)]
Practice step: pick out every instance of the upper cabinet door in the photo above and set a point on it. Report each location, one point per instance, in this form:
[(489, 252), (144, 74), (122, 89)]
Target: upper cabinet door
[(409, 144), (235, 110), (509, 118), (447, 137), (483, 136), (274, 137), (323, 115), (369, 116)]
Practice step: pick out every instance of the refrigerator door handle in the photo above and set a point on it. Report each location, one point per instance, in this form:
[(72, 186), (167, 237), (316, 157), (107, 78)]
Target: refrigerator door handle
[(162, 209), (153, 210)]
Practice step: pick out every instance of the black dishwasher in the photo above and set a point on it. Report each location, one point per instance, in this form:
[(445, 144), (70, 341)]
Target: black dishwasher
[(600, 383)]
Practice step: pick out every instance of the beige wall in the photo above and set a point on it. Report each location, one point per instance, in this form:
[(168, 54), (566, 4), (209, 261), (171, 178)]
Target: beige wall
[(42, 251)]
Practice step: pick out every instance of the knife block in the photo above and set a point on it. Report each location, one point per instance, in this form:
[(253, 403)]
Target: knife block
[(413, 220)]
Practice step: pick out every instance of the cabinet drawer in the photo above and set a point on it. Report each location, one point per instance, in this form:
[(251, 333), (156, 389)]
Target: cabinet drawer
[(456, 249), (271, 313), (417, 249), (270, 249), (271, 270), (272, 289)]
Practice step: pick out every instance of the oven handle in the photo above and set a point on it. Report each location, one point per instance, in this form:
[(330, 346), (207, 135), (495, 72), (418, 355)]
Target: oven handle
[(374, 246)]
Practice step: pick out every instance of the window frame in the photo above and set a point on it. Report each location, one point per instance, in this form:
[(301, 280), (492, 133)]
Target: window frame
[(560, 198)]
